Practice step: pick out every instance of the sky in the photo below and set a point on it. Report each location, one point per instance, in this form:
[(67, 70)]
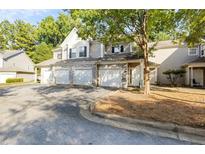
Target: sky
[(32, 16)]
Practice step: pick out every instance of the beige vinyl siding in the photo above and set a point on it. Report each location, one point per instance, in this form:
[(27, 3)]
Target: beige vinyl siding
[(170, 58), (95, 49), (21, 61)]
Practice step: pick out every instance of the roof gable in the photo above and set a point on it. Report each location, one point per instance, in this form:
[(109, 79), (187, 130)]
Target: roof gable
[(71, 36)]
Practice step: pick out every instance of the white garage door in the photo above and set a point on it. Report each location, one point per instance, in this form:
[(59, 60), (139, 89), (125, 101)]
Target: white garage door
[(82, 77), (62, 76), (110, 77), (46, 76), (6, 75)]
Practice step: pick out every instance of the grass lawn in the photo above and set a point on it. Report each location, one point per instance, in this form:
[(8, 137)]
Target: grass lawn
[(183, 106)]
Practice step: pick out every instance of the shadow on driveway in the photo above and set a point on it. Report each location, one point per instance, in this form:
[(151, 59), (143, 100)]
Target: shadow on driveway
[(50, 115)]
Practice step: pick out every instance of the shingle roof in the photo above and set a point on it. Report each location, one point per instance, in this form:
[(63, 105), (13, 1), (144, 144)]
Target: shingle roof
[(120, 57), (199, 60), (164, 44), (10, 53), (57, 49), (48, 62)]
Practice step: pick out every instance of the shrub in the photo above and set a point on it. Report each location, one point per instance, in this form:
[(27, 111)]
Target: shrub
[(173, 75), (14, 80)]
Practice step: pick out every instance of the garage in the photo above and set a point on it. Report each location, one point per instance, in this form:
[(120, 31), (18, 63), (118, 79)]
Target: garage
[(110, 77), (82, 76), (46, 75), (6, 75), (62, 76)]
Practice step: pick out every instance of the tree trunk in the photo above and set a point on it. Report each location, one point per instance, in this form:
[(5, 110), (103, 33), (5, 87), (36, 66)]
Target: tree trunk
[(146, 74), (146, 55), (146, 71)]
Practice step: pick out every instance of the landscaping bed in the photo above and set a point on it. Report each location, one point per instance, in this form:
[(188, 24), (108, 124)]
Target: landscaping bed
[(182, 106)]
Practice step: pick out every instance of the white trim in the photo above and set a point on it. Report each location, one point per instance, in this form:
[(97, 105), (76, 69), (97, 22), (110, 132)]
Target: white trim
[(101, 50), (196, 53), (192, 75), (118, 47), (78, 52), (130, 47), (202, 55)]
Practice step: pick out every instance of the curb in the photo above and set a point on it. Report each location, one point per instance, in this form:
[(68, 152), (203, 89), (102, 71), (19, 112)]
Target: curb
[(183, 133)]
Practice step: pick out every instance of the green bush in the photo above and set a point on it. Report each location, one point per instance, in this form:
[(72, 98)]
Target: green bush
[(14, 80)]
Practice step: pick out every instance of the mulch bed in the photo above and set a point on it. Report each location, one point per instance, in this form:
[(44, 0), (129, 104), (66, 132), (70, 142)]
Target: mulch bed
[(178, 107)]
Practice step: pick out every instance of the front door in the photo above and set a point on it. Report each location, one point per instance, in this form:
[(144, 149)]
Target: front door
[(134, 76)]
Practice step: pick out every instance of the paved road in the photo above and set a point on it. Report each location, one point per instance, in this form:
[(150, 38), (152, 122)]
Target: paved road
[(37, 114)]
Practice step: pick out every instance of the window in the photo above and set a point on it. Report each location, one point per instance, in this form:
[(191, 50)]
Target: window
[(118, 48), (192, 51), (83, 51), (73, 53), (113, 49), (59, 55), (121, 48), (202, 53)]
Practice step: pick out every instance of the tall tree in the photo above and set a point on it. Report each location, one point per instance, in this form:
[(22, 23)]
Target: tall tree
[(65, 25), (48, 31), (24, 35), (190, 26), (139, 26), (42, 52), (6, 35)]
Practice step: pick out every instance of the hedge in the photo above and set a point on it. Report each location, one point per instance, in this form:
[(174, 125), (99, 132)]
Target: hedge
[(14, 80)]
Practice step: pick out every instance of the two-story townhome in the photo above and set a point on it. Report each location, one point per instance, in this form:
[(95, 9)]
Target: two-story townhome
[(15, 64), (88, 62)]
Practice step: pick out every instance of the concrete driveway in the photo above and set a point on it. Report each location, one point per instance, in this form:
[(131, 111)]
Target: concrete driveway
[(37, 114)]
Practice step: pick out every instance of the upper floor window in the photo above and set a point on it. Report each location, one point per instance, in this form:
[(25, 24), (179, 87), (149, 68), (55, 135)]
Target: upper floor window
[(118, 48), (202, 53), (83, 51), (78, 52), (192, 52), (73, 53), (59, 55)]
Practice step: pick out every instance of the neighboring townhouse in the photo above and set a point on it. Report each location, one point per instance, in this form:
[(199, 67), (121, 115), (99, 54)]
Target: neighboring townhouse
[(15, 64), (88, 62), (172, 56)]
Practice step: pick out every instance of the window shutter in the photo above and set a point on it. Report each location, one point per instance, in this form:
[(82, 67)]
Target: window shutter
[(121, 48), (70, 53), (113, 49), (85, 51)]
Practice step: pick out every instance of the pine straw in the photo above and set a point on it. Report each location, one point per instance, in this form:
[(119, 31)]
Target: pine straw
[(164, 105)]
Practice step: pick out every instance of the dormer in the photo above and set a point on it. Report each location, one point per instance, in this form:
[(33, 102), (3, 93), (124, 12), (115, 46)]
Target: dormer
[(73, 47)]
